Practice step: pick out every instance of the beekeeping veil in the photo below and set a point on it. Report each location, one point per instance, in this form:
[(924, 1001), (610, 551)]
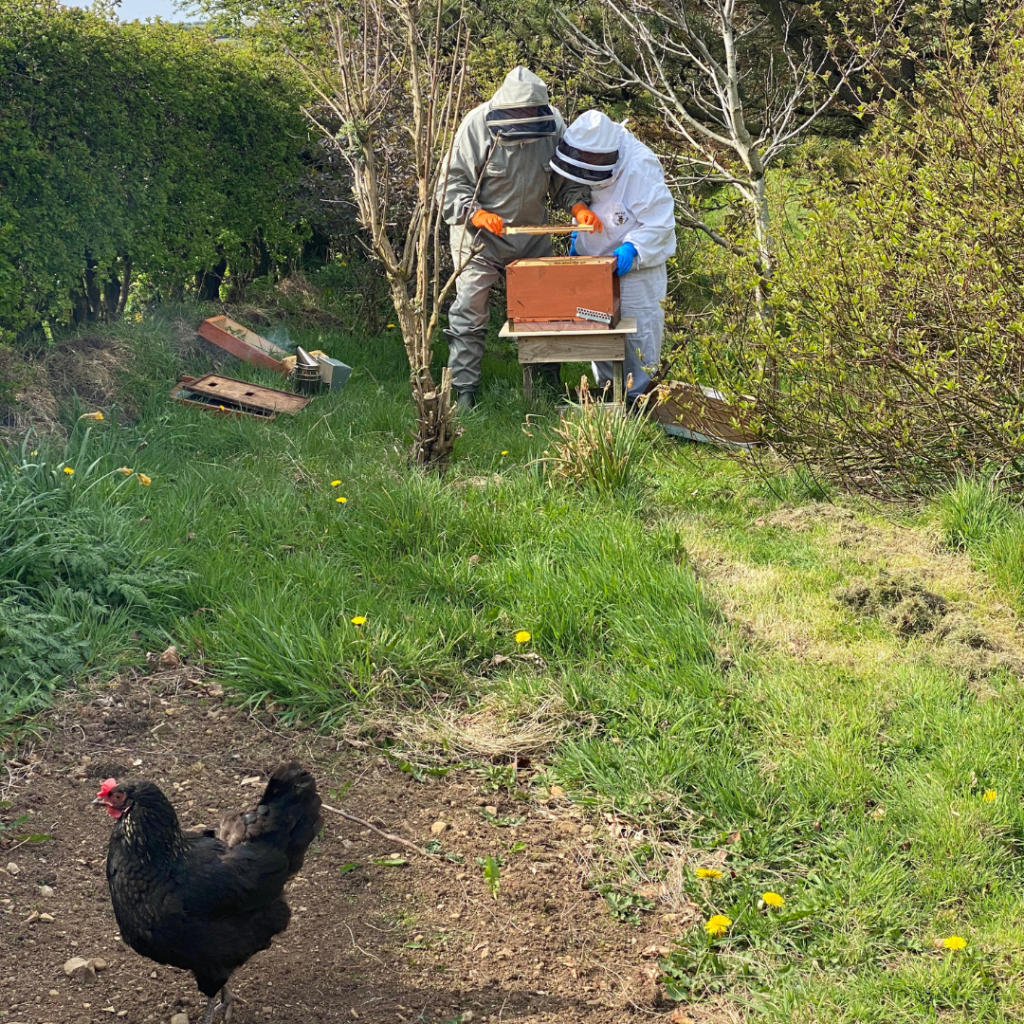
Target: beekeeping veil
[(519, 111), (590, 152)]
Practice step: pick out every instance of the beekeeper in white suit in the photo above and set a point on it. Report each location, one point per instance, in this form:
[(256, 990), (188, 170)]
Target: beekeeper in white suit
[(500, 173), (631, 200)]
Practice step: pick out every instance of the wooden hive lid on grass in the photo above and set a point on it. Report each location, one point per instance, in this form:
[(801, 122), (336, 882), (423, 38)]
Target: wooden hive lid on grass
[(704, 414)]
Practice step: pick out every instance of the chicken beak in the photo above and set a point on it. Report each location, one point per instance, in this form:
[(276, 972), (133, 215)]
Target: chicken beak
[(99, 802)]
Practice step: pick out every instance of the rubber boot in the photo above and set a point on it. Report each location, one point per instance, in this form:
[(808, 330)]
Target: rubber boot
[(465, 401)]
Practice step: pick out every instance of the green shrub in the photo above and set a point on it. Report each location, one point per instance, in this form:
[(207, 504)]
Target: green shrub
[(894, 359), (137, 151)]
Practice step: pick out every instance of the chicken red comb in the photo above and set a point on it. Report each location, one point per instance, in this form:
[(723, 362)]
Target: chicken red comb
[(105, 787)]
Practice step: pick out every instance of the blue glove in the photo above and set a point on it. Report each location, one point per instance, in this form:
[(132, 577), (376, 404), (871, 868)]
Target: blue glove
[(572, 244), (626, 254)]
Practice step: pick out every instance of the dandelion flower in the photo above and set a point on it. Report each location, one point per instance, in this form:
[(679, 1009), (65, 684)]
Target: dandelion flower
[(144, 480), (504, 453), (955, 942), (125, 471), (341, 501), (91, 416), (990, 795), (708, 873), (335, 483), (718, 925), (773, 899), (33, 454), (522, 637), (391, 325), (69, 471), (358, 620)]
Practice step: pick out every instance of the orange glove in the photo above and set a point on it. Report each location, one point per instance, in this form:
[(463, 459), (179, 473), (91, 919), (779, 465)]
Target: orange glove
[(586, 217), (489, 222)]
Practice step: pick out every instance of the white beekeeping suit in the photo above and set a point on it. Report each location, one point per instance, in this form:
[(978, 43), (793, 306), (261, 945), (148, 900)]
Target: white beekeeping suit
[(630, 197)]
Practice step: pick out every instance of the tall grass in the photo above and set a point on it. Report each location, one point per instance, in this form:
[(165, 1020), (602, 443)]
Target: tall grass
[(77, 574), (976, 518)]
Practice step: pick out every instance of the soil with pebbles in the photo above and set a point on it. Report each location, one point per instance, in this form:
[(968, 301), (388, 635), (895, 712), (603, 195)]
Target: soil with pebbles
[(423, 941)]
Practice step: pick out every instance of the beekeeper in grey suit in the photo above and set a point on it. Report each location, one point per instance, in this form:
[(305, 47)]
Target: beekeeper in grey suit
[(499, 173)]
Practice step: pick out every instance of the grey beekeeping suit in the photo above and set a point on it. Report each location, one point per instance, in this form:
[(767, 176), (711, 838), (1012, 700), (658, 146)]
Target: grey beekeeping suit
[(509, 156)]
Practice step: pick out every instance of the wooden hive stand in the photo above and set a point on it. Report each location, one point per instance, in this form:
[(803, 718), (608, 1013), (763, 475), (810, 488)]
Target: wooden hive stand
[(569, 344)]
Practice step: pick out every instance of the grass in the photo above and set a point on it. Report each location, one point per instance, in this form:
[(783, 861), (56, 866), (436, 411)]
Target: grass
[(687, 665)]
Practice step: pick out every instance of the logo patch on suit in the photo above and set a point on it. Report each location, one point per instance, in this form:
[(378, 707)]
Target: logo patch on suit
[(619, 218)]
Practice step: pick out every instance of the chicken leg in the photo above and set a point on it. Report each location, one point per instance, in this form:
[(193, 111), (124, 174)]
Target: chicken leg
[(224, 1000)]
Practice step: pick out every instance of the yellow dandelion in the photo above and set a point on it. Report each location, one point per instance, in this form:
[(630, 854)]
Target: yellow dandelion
[(125, 471), (718, 925), (69, 471), (358, 620), (335, 483), (91, 416), (955, 942), (504, 453), (33, 454), (522, 637), (341, 501), (391, 325), (222, 409), (773, 899), (708, 873), (144, 480), (990, 795)]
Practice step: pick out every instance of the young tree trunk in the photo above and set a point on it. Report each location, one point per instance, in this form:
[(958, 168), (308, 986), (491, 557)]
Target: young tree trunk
[(126, 283), (391, 97)]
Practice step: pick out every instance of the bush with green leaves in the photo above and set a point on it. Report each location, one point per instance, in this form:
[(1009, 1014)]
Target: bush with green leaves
[(894, 359), (136, 152)]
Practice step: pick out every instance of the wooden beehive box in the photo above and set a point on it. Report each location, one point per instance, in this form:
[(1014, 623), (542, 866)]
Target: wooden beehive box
[(563, 292), (703, 414)]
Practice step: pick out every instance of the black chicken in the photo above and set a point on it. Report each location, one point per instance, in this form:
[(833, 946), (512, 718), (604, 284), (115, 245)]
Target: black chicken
[(206, 901)]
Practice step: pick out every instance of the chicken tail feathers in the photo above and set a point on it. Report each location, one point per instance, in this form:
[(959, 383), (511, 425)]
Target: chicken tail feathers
[(287, 816)]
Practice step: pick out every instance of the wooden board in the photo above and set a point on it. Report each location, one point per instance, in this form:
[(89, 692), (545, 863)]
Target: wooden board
[(703, 414), (575, 348), (627, 325), (546, 229), (237, 397), (565, 261), (242, 343), (557, 326)]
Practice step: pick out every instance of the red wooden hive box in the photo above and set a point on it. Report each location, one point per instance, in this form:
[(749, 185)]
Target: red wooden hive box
[(578, 291)]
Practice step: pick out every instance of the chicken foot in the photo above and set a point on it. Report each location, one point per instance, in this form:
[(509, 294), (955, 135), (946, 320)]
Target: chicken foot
[(224, 1000)]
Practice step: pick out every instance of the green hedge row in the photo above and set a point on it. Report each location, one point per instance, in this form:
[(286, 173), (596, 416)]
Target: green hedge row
[(146, 153)]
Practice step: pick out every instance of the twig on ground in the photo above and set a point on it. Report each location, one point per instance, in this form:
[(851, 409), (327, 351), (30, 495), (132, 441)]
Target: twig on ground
[(390, 836)]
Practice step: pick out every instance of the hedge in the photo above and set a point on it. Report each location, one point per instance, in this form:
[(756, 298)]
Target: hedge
[(151, 153)]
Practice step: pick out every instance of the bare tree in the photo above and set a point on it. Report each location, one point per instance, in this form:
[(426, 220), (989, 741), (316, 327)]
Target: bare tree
[(391, 89), (725, 89)]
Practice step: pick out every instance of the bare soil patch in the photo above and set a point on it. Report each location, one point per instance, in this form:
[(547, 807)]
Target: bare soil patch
[(424, 941)]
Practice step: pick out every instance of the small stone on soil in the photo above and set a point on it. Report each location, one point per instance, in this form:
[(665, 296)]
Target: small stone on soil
[(80, 969)]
